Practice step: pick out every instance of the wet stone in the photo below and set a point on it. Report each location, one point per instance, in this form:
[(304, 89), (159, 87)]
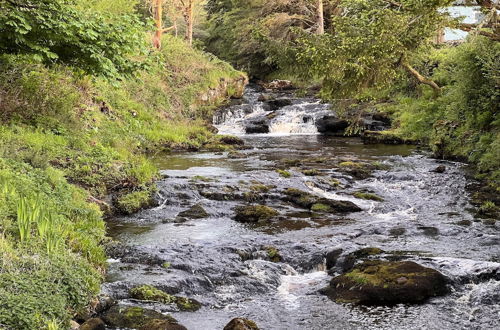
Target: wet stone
[(195, 212), (387, 283), (241, 324), (138, 318), (254, 213)]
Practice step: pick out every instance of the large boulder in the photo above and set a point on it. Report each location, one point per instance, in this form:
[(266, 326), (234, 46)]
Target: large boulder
[(139, 318), (331, 125), (379, 282), (241, 324)]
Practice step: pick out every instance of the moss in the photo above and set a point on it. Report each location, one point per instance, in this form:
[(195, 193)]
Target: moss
[(284, 174), (148, 292), (382, 282), (318, 207), (260, 188), (134, 201), (166, 265), (350, 164), (273, 253), (368, 196), (254, 213), (311, 172)]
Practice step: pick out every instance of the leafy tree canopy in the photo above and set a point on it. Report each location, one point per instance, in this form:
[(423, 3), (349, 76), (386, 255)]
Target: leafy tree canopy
[(60, 31)]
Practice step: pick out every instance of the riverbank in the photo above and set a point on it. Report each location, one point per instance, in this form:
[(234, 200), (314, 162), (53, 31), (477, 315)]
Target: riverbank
[(74, 151)]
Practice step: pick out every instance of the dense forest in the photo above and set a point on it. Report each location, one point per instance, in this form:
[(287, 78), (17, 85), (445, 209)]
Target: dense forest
[(90, 90)]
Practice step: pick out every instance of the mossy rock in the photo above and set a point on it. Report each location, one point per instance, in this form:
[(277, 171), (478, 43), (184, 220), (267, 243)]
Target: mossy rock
[(148, 292), (319, 204), (284, 174), (319, 207), (273, 253), (241, 324), (254, 213), (93, 324), (379, 282), (311, 172), (368, 196), (350, 260), (194, 212), (137, 318), (231, 140)]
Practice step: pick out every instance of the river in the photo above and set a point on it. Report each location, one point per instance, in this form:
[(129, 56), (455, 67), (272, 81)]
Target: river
[(272, 271)]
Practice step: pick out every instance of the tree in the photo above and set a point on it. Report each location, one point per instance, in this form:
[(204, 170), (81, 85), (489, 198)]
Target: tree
[(321, 19), (371, 41), (58, 31)]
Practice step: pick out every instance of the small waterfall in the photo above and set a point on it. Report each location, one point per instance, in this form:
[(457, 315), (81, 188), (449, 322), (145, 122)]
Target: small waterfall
[(278, 115)]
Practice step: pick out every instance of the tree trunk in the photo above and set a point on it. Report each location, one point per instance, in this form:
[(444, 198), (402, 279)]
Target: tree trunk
[(158, 15), (189, 21), (420, 78), (321, 19)]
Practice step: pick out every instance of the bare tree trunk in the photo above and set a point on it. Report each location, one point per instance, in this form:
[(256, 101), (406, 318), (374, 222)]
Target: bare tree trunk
[(189, 18), (321, 18), (158, 15)]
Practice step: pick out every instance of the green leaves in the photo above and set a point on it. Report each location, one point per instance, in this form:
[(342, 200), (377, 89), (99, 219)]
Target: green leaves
[(58, 31)]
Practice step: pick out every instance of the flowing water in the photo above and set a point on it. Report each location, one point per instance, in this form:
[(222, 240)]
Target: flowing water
[(226, 265)]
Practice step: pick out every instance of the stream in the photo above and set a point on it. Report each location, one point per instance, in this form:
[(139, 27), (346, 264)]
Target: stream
[(272, 271)]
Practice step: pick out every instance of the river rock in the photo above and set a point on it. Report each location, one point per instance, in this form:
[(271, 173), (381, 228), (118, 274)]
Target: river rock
[(274, 105), (254, 213), (93, 324), (379, 282), (278, 85), (332, 258), (150, 293), (259, 126), (331, 125), (318, 204), (195, 212), (139, 318), (241, 324), (231, 140)]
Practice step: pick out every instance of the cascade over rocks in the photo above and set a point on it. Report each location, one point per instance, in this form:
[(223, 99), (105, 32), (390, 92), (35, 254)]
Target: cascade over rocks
[(387, 283)]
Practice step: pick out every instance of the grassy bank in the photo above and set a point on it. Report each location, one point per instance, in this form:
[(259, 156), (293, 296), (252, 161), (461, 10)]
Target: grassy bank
[(73, 148)]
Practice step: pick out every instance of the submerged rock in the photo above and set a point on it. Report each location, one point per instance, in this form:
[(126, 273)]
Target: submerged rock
[(254, 213), (241, 324), (195, 212), (387, 283), (139, 318), (148, 292)]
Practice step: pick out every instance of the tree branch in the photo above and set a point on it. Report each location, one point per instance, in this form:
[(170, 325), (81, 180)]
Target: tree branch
[(419, 77)]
